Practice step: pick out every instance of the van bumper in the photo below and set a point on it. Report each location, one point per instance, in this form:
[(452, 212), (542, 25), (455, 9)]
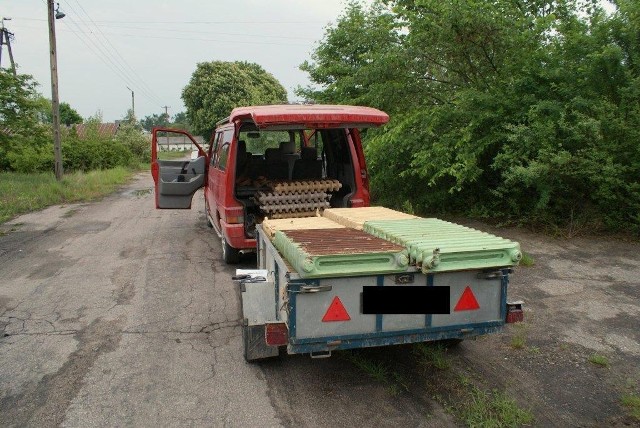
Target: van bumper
[(234, 235)]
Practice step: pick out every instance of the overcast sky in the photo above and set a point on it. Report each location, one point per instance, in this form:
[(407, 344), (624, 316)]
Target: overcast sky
[(153, 46)]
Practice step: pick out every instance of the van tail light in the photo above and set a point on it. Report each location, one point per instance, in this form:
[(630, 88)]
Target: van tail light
[(276, 334), (514, 312), (356, 203), (234, 215)]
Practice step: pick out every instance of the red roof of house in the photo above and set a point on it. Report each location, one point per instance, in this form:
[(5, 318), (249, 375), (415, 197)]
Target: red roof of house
[(312, 116), (104, 129)]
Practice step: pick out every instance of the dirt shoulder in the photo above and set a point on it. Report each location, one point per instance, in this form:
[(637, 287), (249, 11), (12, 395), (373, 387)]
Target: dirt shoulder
[(578, 353)]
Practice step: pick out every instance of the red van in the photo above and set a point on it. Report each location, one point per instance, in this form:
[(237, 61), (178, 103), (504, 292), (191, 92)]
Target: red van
[(258, 147)]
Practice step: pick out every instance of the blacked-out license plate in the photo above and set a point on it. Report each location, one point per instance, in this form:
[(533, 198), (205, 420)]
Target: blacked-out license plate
[(405, 300)]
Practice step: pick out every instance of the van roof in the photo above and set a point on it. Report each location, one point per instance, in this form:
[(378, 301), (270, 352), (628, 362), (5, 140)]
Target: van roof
[(310, 116)]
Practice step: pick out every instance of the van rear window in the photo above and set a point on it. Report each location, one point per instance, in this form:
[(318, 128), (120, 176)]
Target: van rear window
[(258, 142)]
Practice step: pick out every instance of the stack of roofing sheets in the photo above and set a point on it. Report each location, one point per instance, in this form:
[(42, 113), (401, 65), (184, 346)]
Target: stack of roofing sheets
[(376, 240)]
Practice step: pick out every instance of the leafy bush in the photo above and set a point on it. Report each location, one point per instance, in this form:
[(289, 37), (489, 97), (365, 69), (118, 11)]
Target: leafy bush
[(526, 111)]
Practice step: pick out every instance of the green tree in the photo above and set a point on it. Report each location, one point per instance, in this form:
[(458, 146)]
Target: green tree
[(154, 120), (360, 61), (20, 130), (527, 110), (217, 87), (181, 121), (68, 115)]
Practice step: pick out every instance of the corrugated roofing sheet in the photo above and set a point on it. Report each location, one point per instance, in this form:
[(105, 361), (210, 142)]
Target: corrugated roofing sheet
[(438, 245), (339, 252)]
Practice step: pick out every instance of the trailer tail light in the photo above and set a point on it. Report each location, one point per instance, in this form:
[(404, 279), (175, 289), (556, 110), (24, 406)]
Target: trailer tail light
[(234, 215), (276, 334), (514, 312)]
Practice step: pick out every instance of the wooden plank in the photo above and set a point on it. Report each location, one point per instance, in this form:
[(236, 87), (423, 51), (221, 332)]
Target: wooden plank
[(270, 226), (356, 217)]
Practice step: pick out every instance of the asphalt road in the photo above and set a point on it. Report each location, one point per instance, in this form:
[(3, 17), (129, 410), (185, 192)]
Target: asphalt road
[(117, 314)]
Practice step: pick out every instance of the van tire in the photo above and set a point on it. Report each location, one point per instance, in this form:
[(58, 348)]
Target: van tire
[(230, 255)]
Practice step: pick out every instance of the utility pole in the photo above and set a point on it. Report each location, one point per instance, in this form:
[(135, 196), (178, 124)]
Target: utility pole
[(166, 115), (55, 102), (5, 39), (133, 102)]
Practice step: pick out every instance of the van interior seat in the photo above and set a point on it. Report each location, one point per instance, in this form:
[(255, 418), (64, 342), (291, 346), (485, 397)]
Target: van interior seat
[(288, 153), (308, 167), (276, 167)]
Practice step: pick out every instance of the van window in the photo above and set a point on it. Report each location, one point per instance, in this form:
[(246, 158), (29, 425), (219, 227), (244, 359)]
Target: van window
[(259, 141), (216, 146), (223, 156), (314, 139)]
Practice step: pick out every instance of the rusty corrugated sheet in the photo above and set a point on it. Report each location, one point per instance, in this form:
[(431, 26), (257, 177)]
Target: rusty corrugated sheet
[(339, 252), (342, 241)]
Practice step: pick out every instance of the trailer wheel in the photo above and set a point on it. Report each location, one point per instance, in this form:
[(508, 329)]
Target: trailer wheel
[(230, 255)]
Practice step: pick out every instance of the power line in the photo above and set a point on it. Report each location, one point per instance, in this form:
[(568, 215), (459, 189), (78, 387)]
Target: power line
[(204, 40), (207, 32), (244, 42), (122, 59), (147, 22), (104, 54), (113, 60), (104, 59)]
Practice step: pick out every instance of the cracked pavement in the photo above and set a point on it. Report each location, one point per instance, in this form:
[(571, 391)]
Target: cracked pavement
[(114, 313)]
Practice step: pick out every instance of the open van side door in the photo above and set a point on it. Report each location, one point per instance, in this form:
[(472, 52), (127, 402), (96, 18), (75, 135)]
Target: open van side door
[(176, 180)]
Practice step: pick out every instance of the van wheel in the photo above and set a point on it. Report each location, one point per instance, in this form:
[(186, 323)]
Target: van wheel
[(230, 255)]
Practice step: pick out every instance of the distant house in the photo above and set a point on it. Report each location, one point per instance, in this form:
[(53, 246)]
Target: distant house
[(104, 129)]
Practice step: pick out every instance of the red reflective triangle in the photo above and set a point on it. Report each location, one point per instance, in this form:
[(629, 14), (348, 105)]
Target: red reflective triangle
[(467, 301), (336, 312)]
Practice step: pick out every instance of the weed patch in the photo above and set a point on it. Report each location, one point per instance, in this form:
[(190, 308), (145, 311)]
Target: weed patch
[(432, 355), (492, 409), (527, 260), (519, 338), (378, 371), (632, 404), (599, 360), (21, 193), (459, 396)]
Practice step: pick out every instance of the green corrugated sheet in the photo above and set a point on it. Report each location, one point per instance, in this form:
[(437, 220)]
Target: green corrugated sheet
[(439, 246), (344, 259)]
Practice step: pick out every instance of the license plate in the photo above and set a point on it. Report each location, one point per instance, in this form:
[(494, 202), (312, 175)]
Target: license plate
[(405, 300)]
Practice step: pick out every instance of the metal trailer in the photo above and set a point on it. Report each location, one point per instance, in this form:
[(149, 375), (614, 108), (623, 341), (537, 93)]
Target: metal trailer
[(317, 316)]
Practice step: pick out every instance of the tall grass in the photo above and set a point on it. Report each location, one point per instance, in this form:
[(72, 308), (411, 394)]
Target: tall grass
[(20, 193)]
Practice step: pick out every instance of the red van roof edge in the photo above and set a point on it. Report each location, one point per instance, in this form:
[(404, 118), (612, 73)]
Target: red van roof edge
[(310, 115)]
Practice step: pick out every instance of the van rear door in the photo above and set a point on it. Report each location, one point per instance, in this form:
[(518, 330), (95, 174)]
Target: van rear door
[(176, 180)]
